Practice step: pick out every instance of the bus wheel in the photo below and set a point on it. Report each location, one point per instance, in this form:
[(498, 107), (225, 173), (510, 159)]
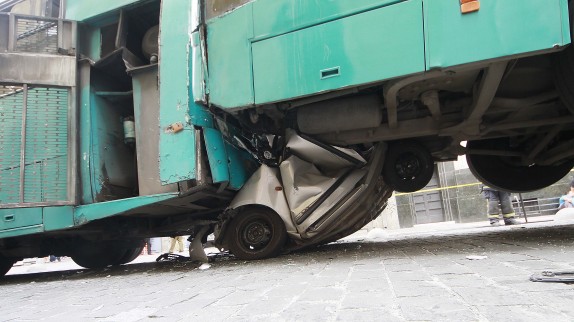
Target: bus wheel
[(505, 172), (91, 254), (5, 264), (408, 166), (130, 255), (256, 233)]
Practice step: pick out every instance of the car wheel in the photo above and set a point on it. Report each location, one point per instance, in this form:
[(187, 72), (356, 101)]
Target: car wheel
[(408, 166), (256, 233)]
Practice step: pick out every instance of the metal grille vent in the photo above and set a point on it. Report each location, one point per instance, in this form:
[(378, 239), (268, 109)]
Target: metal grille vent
[(11, 102), (36, 35), (40, 115)]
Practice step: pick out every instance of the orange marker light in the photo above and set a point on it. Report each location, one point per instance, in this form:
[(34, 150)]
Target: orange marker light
[(468, 6)]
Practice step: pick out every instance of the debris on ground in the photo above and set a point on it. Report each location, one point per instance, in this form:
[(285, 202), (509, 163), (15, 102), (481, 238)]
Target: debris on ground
[(554, 277), (476, 257)]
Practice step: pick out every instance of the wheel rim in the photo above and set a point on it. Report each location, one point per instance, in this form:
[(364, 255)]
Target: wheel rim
[(408, 166), (256, 235)]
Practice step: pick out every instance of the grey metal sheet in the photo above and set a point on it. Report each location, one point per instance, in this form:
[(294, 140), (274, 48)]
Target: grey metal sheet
[(38, 69), (146, 113)]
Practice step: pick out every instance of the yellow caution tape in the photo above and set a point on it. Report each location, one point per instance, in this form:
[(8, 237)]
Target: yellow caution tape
[(439, 189)]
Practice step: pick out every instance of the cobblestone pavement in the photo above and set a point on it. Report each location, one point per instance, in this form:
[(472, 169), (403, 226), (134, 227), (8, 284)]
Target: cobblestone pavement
[(375, 277)]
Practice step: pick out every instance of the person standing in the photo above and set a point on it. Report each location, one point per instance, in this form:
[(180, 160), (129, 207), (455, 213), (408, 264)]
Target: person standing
[(148, 245), (176, 239), (497, 202)]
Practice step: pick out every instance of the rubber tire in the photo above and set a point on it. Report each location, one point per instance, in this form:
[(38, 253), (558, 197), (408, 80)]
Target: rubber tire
[(396, 152), (496, 172), (5, 265), (129, 255), (563, 70), (250, 215), (95, 255)]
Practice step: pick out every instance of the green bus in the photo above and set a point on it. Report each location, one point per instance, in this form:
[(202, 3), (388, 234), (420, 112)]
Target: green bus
[(273, 124)]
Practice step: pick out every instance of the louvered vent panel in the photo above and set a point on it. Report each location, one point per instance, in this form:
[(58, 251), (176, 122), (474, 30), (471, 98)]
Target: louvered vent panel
[(46, 145), (11, 104)]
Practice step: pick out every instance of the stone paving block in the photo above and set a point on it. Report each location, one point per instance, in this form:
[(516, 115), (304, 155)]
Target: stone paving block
[(402, 268), (216, 293), (322, 294), (371, 300), (212, 314), (512, 257), (540, 265), (446, 308), (368, 315), (184, 308), (463, 280), (265, 307), (240, 297), (416, 290), (309, 311), (523, 283), (522, 313), (489, 295), (408, 276), (368, 285), (448, 269), (283, 291), (493, 269)]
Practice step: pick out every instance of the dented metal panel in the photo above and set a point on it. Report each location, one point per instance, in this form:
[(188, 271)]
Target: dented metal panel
[(312, 196), (264, 188), (177, 150)]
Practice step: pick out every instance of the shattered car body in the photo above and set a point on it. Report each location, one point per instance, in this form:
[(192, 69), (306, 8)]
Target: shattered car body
[(320, 192)]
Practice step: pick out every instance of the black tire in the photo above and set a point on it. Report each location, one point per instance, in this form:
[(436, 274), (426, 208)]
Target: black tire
[(408, 166), (5, 264), (256, 233), (564, 71), (502, 174), (130, 255), (91, 254)]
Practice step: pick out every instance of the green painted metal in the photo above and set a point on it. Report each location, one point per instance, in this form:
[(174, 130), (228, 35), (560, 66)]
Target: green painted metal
[(85, 137), (274, 17), (22, 231), (20, 217), (498, 29), (58, 218), (241, 166), (24, 221), (198, 68), (11, 106), (229, 47), (46, 156), (217, 154), (177, 150), (81, 10), (87, 213), (340, 53)]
